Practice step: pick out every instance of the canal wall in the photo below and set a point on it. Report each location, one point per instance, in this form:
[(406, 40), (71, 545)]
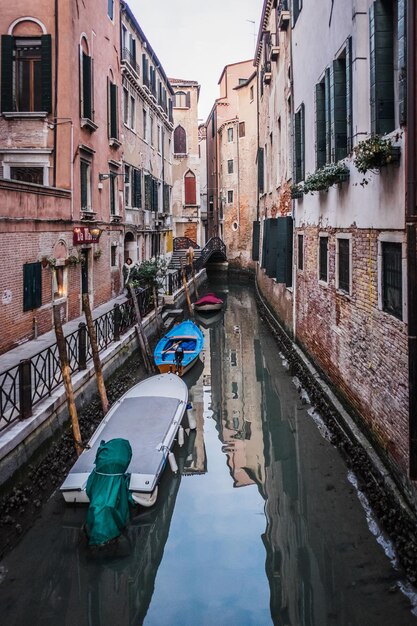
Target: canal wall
[(22, 440)]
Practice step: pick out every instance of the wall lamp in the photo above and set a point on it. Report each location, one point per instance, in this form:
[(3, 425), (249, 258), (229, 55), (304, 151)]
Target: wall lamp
[(95, 231), (108, 175)]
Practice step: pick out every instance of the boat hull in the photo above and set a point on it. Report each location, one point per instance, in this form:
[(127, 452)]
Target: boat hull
[(148, 416), (186, 335)]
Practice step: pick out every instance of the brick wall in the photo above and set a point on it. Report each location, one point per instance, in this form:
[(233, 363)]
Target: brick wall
[(362, 349)]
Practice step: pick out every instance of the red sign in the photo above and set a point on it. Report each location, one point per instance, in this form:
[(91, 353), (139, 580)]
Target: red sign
[(82, 234)]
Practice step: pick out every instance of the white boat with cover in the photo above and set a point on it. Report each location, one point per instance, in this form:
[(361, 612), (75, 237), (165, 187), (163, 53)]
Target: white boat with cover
[(149, 416)]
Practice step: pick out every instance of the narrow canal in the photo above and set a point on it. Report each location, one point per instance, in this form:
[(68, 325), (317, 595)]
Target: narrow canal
[(262, 525)]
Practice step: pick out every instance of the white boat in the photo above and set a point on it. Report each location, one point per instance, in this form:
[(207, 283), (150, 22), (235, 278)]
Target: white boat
[(149, 416)]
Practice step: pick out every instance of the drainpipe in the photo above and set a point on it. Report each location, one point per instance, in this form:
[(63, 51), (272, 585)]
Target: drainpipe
[(56, 88), (238, 175), (411, 220)]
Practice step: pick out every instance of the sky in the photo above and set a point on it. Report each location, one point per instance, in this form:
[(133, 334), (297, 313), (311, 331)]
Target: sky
[(195, 39)]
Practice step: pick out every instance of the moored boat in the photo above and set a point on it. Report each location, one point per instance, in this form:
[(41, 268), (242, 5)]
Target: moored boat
[(148, 416), (179, 349), (209, 302)]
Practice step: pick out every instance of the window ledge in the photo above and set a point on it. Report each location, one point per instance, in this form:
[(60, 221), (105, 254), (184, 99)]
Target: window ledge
[(179, 155), (88, 216), (88, 124), (116, 218), (114, 143), (25, 114)]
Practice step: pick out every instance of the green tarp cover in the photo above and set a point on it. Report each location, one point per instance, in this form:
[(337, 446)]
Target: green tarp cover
[(107, 490)]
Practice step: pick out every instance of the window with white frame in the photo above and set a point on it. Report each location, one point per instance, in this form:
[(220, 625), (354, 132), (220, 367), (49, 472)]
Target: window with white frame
[(230, 197), (344, 263), (132, 112), (127, 186), (230, 166), (125, 106), (230, 134), (85, 185), (145, 124)]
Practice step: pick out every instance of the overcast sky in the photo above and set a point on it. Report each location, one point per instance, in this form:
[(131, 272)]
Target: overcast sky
[(195, 39)]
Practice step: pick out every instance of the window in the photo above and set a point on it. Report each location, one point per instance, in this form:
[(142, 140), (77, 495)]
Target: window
[(27, 174), (190, 188), (343, 265), (230, 166), (260, 171), (112, 110), (132, 111), (158, 138), (230, 134), (323, 258), (151, 129), (180, 140), (145, 123), (182, 100), (113, 191), (136, 188), (26, 73), (86, 86), (127, 186), (125, 106), (299, 144), (300, 252), (230, 197), (251, 93), (381, 61), (113, 256), (241, 129), (392, 278), (110, 9), (59, 282), (296, 6), (32, 286), (85, 182)]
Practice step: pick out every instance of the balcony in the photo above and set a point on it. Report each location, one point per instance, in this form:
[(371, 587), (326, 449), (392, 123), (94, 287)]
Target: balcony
[(129, 63), (267, 74), (274, 53), (283, 17)]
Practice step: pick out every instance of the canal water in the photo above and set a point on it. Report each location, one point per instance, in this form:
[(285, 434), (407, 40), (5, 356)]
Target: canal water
[(263, 524)]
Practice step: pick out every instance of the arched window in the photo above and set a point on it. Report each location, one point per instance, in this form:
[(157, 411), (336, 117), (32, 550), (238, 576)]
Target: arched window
[(180, 141), (190, 188), (182, 99)]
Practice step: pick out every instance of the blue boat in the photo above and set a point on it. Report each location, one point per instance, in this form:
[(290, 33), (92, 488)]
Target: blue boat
[(179, 349)]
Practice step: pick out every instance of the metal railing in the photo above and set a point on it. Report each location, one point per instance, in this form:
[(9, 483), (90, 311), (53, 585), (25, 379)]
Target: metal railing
[(128, 56), (34, 379)]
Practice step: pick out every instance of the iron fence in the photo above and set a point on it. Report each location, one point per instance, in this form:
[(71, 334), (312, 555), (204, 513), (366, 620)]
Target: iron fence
[(32, 380)]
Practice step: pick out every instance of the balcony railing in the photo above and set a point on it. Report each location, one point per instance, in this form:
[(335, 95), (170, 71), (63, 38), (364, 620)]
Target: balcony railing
[(127, 56)]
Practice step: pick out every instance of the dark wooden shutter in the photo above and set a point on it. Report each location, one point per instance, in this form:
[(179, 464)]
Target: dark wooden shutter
[(148, 192), (32, 286), (86, 86), (7, 42), (137, 188), (133, 50), (402, 62), (284, 253), (327, 114), (256, 232), (381, 67), (271, 249), (320, 125), (264, 242), (46, 59), (339, 103), (180, 140), (154, 194), (349, 108), (260, 170), (187, 99), (166, 198), (299, 144), (113, 111), (332, 131)]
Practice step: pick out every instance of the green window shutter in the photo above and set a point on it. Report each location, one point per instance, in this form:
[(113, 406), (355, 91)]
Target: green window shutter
[(46, 59), (299, 144), (284, 250), (349, 120), (7, 73), (264, 242), (86, 112), (260, 170), (332, 131), (154, 194), (339, 112), (256, 232), (271, 249), (32, 286), (381, 67), (320, 125), (148, 192), (402, 61), (327, 92), (137, 190), (113, 111)]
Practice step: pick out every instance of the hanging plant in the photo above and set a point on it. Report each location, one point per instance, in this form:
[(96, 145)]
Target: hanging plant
[(97, 253), (373, 153), (48, 261), (325, 177), (73, 260)]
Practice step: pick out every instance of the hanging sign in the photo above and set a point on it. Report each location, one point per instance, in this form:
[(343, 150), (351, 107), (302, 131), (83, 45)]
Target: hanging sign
[(82, 234)]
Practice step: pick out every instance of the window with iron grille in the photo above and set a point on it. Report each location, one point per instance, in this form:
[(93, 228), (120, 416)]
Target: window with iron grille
[(392, 278), (113, 256), (300, 252), (343, 274), (230, 197), (230, 166), (27, 174), (323, 258)]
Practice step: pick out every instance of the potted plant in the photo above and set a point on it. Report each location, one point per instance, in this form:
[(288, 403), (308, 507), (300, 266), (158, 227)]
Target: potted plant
[(297, 191), (374, 152), (326, 177), (73, 259)]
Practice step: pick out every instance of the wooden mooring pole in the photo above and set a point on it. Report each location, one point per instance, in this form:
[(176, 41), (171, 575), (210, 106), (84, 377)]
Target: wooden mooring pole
[(187, 295), (190, 255), (66, 377), (96, 356), (143, 340)]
